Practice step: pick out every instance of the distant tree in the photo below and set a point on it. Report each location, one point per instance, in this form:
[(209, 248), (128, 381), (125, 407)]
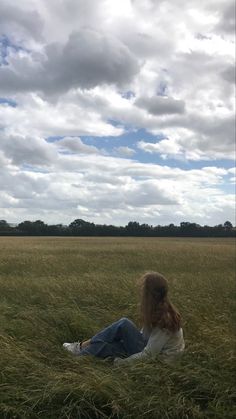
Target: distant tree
[(25, 227), (228, 225), (37, 227), (58, 230), (133, 227), (78, 223), (172, 230), (4, 224), (4, 227), (190, 229), (145, 229), (81, 227)]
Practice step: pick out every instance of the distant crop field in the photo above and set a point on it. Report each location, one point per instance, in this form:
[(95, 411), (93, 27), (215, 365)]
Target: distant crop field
[(56, 290)]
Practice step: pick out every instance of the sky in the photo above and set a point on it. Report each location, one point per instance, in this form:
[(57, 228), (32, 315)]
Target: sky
[(117, 111)]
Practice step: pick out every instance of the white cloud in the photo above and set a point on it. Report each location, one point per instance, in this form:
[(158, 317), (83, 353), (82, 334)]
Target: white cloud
[(199, 139), (226, 21), (102, 69), (75, 145), (89, 58), (164, 147), (20, 21), (36, 117), (107, 187), (27, 150), (158, 105), (125, 151)]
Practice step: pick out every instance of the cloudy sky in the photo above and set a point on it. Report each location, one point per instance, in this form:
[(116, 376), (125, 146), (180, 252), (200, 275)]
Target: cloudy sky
[(115, 111)]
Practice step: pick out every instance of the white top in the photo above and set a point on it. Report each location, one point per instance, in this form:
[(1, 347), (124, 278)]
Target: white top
[(162, 342)]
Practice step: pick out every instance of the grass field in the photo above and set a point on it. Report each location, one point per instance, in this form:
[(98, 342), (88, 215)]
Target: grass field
[(55, 290)]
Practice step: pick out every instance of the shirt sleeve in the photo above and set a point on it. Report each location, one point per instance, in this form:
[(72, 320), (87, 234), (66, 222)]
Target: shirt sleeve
[(156, 342)]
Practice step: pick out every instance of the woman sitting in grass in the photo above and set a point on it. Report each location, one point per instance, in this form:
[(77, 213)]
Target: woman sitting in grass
[(122, 341)]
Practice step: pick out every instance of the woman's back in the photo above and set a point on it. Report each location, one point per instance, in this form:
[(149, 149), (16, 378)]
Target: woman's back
[(164, 342)]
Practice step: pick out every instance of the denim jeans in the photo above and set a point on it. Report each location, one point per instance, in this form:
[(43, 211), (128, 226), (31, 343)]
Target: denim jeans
[(121, 338)]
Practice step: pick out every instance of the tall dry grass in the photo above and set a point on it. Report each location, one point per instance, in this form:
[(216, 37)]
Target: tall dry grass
[(63, 289)]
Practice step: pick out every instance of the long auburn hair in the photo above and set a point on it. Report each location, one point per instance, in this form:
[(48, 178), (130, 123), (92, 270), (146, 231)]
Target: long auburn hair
[(156, 308)]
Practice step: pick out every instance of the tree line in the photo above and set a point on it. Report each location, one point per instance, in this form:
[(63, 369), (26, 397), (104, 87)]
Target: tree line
[(81, 227)]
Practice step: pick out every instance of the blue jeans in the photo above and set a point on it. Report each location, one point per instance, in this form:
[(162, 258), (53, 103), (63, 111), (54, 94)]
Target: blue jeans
[(121, 338)]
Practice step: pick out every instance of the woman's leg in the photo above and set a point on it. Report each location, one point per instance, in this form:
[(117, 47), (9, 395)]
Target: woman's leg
[(121, 338), (85, 343)]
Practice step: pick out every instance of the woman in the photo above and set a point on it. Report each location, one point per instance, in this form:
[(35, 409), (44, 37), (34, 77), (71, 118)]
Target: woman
[(122, 341)]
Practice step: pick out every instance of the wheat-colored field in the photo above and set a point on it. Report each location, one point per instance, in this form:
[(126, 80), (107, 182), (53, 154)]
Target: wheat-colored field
[(63, 289)]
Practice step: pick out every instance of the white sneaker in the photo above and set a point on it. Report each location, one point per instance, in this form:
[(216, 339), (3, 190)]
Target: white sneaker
[(72, 347)]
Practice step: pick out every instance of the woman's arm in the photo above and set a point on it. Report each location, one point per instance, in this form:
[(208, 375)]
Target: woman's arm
[(156, 342)]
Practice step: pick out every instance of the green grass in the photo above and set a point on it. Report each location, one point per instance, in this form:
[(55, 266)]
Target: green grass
[(55, 290)]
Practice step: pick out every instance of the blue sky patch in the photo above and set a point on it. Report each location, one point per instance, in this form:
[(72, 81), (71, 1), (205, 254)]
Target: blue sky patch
[(6, 43), (8, 102), (130, 139)]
